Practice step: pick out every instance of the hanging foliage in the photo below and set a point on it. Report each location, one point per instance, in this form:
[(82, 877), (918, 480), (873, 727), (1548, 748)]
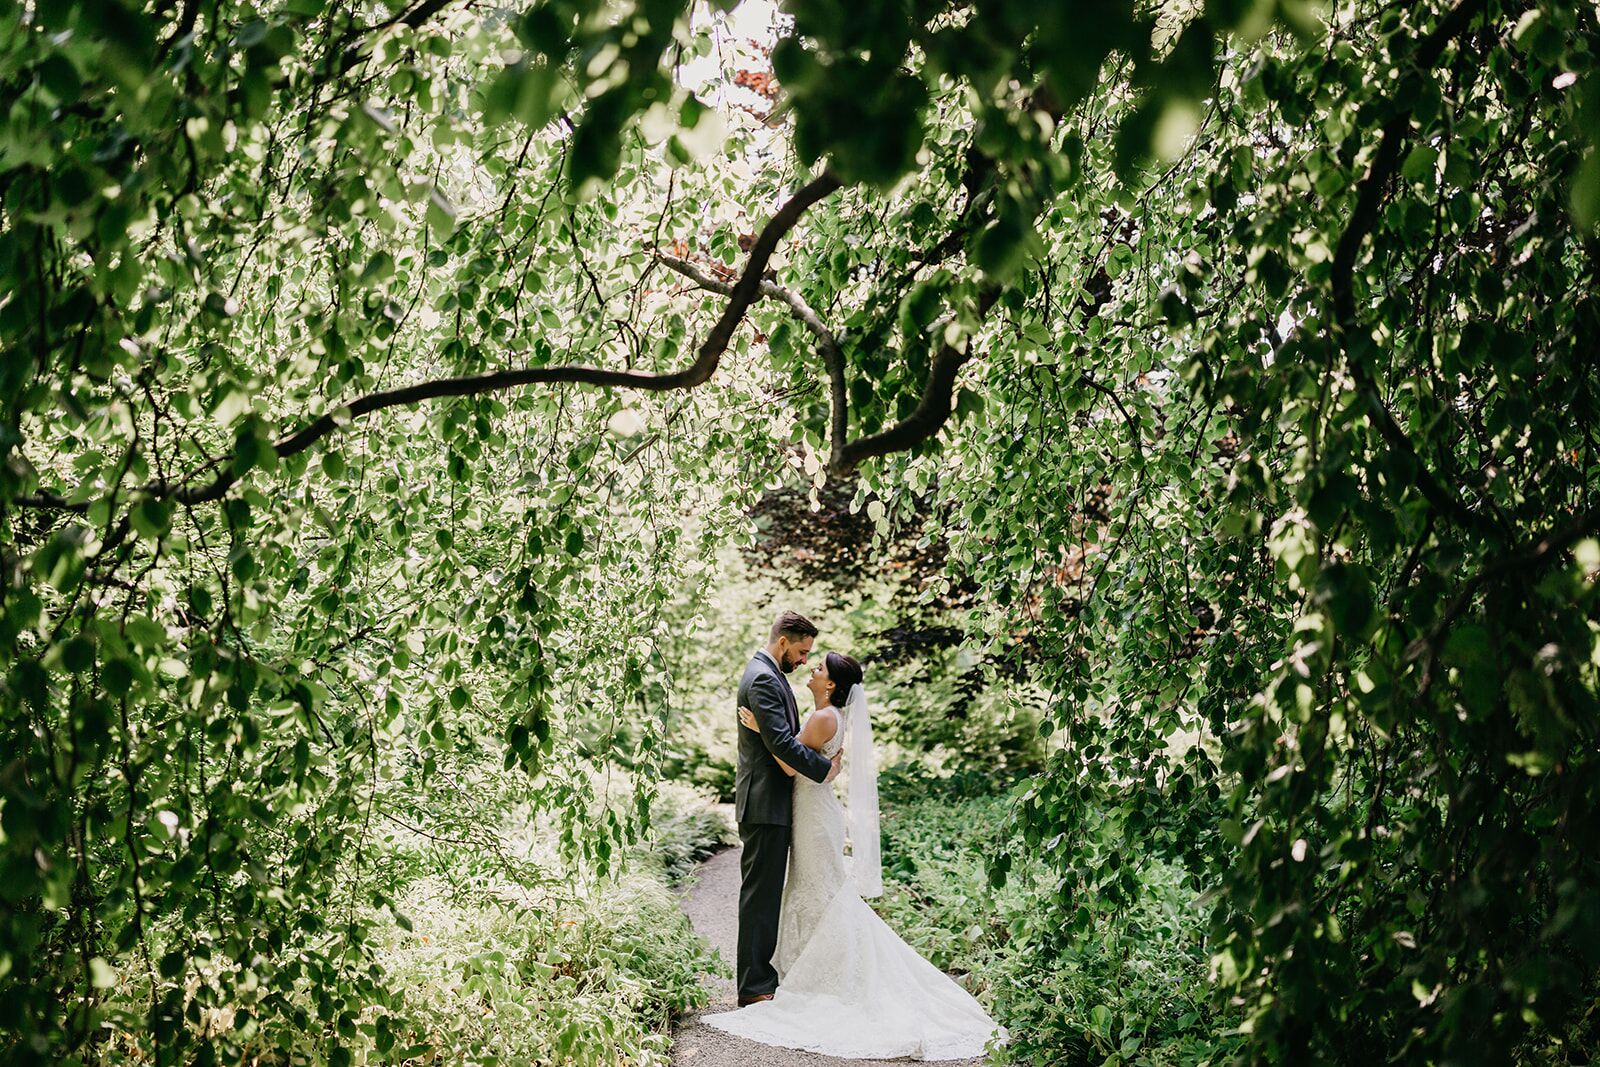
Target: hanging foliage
[(376, 378)]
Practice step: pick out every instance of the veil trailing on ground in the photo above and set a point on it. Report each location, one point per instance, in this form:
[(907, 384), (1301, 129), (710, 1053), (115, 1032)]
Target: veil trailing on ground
[(866, 864)]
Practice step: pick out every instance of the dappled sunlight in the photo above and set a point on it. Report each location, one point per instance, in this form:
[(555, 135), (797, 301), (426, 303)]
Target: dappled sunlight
[(415, 413)]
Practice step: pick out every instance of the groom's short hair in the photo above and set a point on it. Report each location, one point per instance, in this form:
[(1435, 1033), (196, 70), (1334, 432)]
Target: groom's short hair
[(793, 625)]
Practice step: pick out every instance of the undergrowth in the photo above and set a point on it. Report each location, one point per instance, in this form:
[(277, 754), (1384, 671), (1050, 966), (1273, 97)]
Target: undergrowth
[(1135, 992)]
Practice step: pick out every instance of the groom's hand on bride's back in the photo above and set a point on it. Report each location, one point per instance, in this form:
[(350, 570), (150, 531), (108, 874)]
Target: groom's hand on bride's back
[(838, 760)]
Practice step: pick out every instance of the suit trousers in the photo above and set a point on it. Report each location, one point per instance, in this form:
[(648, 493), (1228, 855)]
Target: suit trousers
[(761, 869)]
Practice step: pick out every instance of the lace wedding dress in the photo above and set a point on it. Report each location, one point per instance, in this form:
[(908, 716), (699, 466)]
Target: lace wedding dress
[(848, 985)]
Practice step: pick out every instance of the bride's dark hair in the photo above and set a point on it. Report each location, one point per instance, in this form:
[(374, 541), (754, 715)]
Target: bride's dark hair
[(843, 672)]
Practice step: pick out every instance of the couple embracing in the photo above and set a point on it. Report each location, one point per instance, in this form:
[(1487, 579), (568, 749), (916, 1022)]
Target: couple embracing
[(817, 969)]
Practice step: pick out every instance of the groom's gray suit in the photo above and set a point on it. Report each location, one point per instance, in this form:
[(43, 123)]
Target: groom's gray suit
[(764, 806)]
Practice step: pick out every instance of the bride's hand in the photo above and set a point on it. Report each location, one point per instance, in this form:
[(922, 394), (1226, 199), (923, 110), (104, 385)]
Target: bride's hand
[(747, 718)]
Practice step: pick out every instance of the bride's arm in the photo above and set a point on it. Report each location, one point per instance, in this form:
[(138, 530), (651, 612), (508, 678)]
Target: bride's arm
[(778, 737), (747, 719), (816, 731)]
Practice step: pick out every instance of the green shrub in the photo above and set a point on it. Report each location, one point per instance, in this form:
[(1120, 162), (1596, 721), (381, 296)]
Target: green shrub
[(686, 826), (589, 975), (499, 948), (594, 979), (1133, 991), (687, 760)]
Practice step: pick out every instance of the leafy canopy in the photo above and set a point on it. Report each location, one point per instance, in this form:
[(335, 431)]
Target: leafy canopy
[(377, 381)]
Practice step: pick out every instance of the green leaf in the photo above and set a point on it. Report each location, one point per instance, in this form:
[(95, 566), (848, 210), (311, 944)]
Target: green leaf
[(920, 308), (152, 518), (441, 215), (1345, 592), (999, 870), (145, 632), (1469, 647), (380, 266), (77, 654), (1001, 248), (60, 79), (116, 676), (1585, 199), (1176, 309), (1419, 163)]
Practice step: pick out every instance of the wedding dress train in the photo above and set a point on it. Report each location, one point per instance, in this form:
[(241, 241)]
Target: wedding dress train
[(848, 985)]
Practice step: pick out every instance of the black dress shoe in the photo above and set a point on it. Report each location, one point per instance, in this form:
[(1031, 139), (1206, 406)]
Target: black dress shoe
[(745, 1002)]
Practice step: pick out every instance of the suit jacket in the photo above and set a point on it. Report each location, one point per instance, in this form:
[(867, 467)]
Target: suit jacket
[(762, 792)]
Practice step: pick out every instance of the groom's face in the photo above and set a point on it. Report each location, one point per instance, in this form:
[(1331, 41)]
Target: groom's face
[(795, 654)]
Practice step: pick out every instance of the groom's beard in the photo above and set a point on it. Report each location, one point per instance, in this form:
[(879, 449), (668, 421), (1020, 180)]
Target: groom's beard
[(787, 665)]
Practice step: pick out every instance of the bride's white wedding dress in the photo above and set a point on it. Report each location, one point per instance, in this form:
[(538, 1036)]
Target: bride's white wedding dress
[(848, 985)]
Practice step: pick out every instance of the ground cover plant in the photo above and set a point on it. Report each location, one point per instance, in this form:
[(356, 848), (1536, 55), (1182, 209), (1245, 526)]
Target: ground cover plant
[(1133, 991)]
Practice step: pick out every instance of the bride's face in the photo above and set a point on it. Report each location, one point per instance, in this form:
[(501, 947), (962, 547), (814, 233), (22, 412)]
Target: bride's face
[(819, 683)]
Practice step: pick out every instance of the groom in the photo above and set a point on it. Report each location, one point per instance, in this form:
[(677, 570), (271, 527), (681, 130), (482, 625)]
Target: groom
[(764, 796)]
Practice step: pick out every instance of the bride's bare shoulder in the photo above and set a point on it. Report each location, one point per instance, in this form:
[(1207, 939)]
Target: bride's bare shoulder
[(820, 725)]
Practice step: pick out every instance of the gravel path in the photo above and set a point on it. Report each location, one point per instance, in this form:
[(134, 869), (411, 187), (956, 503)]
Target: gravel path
[(712, 905)]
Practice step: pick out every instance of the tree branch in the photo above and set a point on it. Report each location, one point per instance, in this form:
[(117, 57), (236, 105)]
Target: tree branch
[(931, 413), (1127, 416), (412, 18), (827, 343), (1520, 563), (935, 407), (418, 15), (741, 295), (1385, 164)]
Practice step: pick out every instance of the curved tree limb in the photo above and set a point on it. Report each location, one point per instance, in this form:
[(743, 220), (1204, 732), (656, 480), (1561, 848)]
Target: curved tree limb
[(741, 295), (931, 413), (1385, 164), (827, 343)]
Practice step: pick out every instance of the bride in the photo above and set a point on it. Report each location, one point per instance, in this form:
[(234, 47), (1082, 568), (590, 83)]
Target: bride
[(850, 987)]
